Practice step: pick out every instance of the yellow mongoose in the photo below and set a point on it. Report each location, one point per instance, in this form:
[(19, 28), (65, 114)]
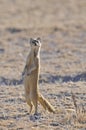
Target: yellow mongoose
[(31, 78)]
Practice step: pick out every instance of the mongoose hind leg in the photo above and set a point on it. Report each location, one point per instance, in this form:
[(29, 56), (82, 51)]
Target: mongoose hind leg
[(35, 103), (30, 104)]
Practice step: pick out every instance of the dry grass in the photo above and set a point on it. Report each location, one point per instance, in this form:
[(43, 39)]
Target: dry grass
[(80, 110), (61, 24)]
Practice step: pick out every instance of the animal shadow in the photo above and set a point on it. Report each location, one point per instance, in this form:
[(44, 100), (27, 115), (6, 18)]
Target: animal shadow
[(46, 78), (6, 81)]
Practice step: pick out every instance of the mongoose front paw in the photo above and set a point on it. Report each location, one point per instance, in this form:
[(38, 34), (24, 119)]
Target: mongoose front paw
[(23, 73), (28, 73)]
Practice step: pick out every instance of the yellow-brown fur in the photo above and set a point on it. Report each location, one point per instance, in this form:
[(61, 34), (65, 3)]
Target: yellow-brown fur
[(31, 78)]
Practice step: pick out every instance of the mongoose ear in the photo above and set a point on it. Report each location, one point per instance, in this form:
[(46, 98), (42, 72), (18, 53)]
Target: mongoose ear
[(39, 39)]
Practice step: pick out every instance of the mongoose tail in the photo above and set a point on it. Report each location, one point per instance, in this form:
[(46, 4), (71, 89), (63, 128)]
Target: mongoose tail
[(45, 103)]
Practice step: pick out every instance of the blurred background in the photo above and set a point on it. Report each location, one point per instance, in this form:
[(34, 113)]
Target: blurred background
[(61, 25), (42, 14)]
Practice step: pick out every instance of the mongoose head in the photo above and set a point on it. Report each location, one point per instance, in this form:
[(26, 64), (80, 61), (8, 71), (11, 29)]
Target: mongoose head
[(35, 43)]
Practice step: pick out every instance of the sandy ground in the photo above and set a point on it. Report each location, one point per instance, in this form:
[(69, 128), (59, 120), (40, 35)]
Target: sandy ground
[(61, 24)]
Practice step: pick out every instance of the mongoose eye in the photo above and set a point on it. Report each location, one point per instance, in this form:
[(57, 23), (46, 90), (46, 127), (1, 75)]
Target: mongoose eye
[(35, 42)]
